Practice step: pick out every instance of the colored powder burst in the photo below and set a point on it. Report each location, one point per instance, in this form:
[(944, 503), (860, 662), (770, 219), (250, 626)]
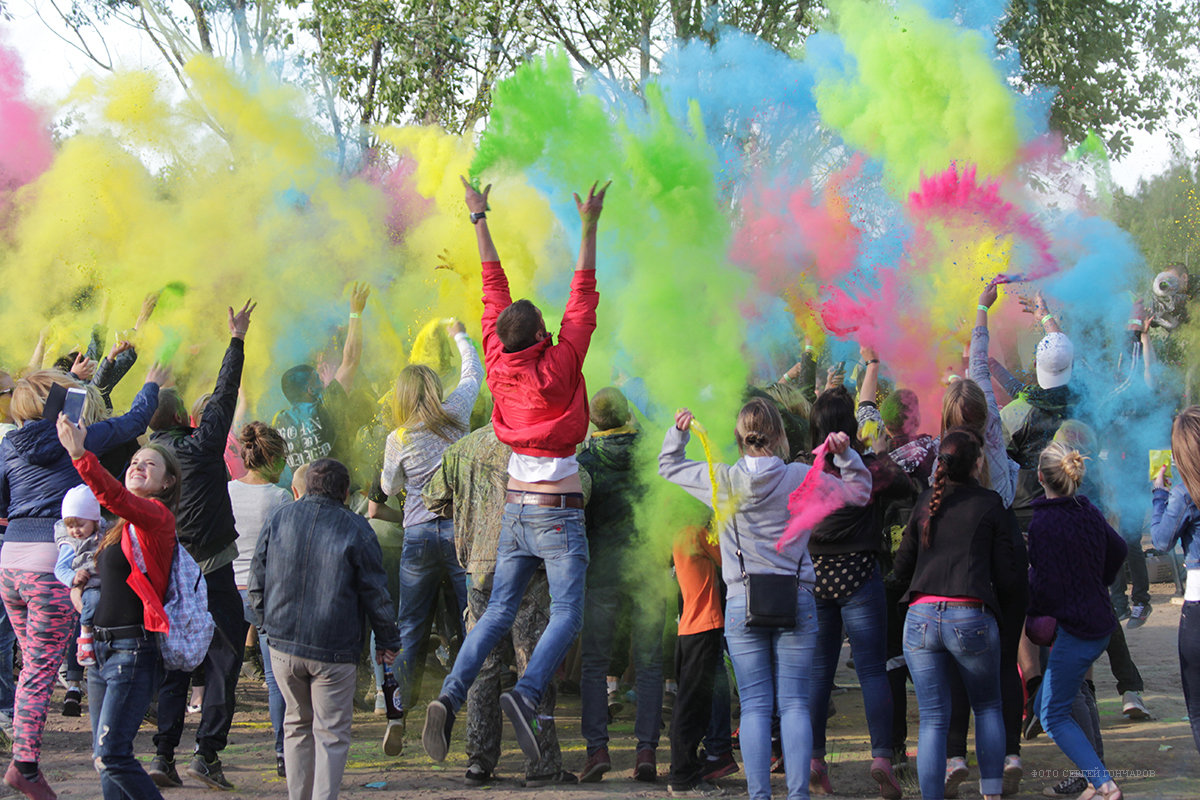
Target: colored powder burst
[(25, 146), (915, 92), (957, 201), (720, 513), (817, 496)]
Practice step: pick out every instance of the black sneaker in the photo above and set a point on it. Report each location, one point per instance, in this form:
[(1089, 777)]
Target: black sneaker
[(1067, 787), (525, 723), (1138, 615), (73, 703), (280, 767), (162, 772), (439, 721), (209, 773)]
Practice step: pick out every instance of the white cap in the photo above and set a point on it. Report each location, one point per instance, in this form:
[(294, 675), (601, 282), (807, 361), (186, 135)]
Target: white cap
[(1054, 356), (80, 503)]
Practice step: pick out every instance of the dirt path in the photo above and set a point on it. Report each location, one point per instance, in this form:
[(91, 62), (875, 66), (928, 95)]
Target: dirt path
[(1160, 751)]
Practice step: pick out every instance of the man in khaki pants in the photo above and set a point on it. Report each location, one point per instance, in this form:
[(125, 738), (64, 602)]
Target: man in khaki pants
[(316, 571)]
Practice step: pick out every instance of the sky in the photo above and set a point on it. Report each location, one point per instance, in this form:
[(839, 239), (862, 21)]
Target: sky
[(53, 66)]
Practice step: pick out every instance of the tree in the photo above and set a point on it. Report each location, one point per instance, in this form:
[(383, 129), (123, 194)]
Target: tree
[(1163, 216), (1118, 65)]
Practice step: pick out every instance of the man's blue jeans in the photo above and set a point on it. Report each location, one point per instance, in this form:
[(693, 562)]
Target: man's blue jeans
[(605, 600), (1066, 668), (530, 535), (864, 615), (126, 676), (939, 639), (428, 557), (772, 667)]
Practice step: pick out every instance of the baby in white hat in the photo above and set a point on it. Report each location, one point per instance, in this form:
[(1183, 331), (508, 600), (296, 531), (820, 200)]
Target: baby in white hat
[(78, 535)]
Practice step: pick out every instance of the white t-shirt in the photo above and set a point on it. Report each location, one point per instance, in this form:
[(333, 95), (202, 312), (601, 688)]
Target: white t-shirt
[(534, 469), (252, 504)]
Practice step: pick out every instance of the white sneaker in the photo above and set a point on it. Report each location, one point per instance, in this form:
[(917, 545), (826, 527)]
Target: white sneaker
[(1133, 706)]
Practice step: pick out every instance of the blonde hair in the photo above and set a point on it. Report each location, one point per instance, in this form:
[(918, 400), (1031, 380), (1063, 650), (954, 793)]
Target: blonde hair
[(417, 402), (1185, 448), (31, 391), (759, 427), (1076, 435), (1062, 468)]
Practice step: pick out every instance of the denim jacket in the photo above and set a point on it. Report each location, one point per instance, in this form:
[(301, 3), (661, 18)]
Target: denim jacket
[(317, 575), (1176, 519)]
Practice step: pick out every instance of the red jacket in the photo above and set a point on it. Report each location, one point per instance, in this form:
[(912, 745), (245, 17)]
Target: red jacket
[(541, 403), (156, 534)]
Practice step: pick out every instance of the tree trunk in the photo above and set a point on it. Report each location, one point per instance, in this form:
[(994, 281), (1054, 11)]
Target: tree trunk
[(202, 29)]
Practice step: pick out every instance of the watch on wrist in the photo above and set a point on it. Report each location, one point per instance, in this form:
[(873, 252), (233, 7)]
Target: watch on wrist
[(477, 215)]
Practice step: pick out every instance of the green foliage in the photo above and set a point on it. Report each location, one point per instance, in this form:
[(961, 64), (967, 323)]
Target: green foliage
[(1118, 65), (1163, 216)]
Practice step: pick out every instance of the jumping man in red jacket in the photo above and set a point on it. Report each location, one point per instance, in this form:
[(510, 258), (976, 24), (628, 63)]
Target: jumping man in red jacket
[(541, 412)]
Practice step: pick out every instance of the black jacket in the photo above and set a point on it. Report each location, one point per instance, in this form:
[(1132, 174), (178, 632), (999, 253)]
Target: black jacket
[(205, 516), (977, 551), (611, 461), (859, 529)]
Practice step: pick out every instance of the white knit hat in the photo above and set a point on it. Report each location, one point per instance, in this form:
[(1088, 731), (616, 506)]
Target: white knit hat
[(80, 503)]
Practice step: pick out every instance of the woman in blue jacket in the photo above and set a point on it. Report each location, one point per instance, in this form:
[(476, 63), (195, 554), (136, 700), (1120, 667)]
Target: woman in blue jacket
[(1176, 518), (35, 474)]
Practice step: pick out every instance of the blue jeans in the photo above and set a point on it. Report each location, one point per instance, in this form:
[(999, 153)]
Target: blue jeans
[(938, 641), (529, 536), (603, 604), (275, 703), (772, 667), (864, 615), (1066, 668), (126, 676), (428, 557)]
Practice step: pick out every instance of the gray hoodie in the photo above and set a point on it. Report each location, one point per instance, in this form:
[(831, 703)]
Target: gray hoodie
[(761, 488)]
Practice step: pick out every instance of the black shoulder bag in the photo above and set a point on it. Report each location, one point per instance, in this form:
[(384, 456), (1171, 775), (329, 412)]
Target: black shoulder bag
[(770, 598)]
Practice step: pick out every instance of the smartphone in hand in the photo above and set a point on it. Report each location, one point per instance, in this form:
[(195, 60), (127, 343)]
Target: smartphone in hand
[(73, 404)]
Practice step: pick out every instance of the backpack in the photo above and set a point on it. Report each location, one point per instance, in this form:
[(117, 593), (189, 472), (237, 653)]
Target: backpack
[(189, 624)]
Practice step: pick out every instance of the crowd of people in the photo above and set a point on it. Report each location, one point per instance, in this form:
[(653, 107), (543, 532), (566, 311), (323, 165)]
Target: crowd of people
[(986, 560)]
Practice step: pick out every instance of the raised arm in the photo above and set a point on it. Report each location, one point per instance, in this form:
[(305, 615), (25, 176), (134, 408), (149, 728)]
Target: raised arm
[(107, 434), (579, 317), (1037, 306), (352, 351), (1000, 474), (589, 215), (692, 476), (148, 514), (213, 431), (868, 384), (462, 399)]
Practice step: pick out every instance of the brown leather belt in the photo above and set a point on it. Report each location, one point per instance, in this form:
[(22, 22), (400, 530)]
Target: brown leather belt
[(569, 500)]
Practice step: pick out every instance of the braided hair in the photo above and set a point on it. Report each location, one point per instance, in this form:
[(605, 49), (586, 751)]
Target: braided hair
[(956, 460)]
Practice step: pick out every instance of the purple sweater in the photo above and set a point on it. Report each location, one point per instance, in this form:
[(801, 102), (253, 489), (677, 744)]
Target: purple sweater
[(1074, 555)]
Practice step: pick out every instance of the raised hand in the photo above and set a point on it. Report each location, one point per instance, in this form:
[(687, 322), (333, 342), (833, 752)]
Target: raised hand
[(159, 374), (589, 210), (83, 368), (239, 322), (148, 305), (72, 436), (991, 293), (456, 327), (683, 419), (837, 442), (118, 348), (358, 297), (477, 201)]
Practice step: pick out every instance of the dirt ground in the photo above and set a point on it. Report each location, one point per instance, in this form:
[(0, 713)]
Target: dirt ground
[(1158, 755)]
